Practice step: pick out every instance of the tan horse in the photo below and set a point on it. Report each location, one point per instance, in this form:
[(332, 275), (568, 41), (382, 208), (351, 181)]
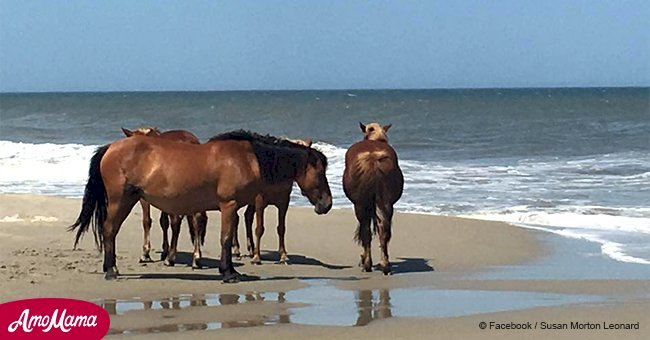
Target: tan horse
[(272, 194), (196, 222), (226, 173), (373, 181)]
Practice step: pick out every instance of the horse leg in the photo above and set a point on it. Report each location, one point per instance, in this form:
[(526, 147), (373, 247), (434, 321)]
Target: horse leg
[(383, 306), (364, 235), (384, 217), (259, 230), (175, 221), (146, 226), (119, 207), (282, 227), (229, 219), (235, 243), (364, 307), (164, 225), (248, 221), (197, 224)]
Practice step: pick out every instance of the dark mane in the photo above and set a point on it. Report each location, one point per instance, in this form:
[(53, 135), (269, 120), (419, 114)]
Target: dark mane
[(271, 150)]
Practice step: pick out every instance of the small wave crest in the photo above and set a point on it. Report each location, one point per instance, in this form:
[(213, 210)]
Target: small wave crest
[(43, 168), (622, 238)]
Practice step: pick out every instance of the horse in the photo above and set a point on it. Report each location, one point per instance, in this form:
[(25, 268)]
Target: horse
[(273, 194), (232, 170), (373, 182), (196, 222)]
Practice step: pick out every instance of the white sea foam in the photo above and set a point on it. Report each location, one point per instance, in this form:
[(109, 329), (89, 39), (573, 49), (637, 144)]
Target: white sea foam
[(59, 169), (598, 228), (43, 219), (17, 218), (11, 219)]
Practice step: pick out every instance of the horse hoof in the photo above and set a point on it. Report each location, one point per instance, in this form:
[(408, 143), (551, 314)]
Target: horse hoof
[(168, 263), (367, 267), (163, 256), (237, 256), (196, 265), (111, 274), (232, 277), (145, 259), (386, 270), (256, 260)]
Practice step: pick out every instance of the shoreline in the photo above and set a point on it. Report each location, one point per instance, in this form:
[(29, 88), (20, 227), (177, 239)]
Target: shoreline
[(320, 246), (608, 248), (435, 258)]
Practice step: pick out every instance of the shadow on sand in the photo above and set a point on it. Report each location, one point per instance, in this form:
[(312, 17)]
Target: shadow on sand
[(400, 266), (407, 265), (219, 277), (274, 256)]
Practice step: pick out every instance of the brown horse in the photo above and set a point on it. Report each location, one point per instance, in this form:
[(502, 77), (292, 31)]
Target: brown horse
[(232, 171), (373, 181), (196, 222), (272, 194)]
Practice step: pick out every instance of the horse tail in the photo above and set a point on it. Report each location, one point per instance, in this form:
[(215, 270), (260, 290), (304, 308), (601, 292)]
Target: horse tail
[(371, 212), (93, 206), (204, 227), (191, 221), (200, 220), (370, 169)]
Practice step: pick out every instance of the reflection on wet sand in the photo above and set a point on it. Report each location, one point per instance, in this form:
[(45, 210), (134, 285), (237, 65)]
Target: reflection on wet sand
[(370, 310), (114, 307), (327, 305), (371, 305)]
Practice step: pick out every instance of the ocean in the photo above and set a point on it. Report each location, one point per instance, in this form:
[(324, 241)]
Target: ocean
[(575, 162)]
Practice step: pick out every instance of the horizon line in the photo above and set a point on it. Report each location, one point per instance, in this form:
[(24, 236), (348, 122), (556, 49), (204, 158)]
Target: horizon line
[(337, 89)]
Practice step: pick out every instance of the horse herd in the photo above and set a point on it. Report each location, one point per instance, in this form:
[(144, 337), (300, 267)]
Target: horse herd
[(182, 177)]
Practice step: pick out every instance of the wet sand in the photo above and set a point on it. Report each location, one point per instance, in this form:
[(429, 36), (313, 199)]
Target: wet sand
[(428, 252)]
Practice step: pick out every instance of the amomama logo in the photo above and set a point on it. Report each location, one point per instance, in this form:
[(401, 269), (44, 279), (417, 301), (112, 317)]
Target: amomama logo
[(52, 318)]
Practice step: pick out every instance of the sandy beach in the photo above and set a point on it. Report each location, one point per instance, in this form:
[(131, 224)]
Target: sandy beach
[(430, 255)]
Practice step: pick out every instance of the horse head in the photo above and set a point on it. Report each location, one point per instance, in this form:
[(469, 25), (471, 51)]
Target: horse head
[(374, 131), (313, 182), (142, 131)]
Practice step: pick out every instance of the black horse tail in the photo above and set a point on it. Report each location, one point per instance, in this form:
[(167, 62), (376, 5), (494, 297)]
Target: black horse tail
[(200, 221), (93, 206)]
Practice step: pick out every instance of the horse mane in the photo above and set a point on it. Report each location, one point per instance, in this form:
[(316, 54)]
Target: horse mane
[(270, 150), (146, 130)]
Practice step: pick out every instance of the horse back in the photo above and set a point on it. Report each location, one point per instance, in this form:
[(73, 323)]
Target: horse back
[(372, 171), (182, 178), (143, 159), (180, 136)]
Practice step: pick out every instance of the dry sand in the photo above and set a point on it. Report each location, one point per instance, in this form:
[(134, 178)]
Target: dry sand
[(37, 260)]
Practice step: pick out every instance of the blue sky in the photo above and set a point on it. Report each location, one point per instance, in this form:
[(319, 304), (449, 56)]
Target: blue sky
[(240, 45)]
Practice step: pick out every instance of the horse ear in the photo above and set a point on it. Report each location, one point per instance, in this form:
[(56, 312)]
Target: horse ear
[(386, 127), (308, 142), (127, 132), (363, 127)]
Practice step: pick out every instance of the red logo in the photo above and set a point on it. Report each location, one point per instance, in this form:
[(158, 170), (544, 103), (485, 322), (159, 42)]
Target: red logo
[(53, 318)]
